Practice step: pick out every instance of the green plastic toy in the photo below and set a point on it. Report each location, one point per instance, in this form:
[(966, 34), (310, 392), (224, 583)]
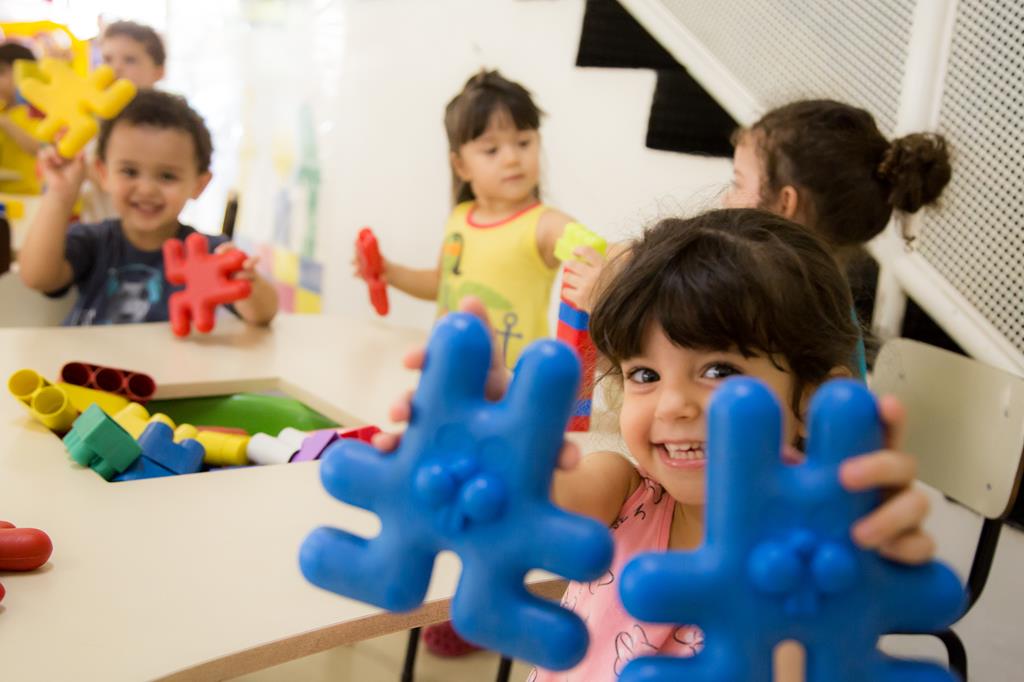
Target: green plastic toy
[(253, 412), (98, 442)]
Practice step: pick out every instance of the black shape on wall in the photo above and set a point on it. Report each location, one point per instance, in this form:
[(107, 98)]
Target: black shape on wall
[(612, 38), (684, 117)]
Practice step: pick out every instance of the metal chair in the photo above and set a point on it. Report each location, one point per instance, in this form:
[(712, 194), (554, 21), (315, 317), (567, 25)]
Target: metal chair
[(965, 425)]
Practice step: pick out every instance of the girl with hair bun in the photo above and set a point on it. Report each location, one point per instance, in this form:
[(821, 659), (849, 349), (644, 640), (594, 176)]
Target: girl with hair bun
[(825, 165)]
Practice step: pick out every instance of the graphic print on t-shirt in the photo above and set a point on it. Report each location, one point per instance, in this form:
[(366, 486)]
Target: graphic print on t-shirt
[(130, 292), (504, 318)]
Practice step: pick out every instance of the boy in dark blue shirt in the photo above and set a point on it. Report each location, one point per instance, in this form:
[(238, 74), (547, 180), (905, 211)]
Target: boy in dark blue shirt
[(152, 158)]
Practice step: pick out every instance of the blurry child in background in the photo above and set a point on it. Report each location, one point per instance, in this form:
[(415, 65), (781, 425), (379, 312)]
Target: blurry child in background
[(824, 165), (18, 148), (135, 52), (500, 239)]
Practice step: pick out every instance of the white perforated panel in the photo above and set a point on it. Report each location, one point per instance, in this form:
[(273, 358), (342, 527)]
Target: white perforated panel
[(977, 240), (786, 50)]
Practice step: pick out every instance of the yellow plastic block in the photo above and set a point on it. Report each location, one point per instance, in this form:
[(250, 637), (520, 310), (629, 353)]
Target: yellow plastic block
[(286, 267), (224, 449), (307, 302), (82, 397), (162, 418), (134, 419), (575, 235), (69, 101), (53, 409), (15, 209), (25, 384), (185, 431)]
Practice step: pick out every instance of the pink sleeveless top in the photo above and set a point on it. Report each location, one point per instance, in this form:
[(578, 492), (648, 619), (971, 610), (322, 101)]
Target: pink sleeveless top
[(616, 637)]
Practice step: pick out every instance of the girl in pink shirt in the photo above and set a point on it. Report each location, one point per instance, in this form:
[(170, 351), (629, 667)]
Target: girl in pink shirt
[(694, 302)]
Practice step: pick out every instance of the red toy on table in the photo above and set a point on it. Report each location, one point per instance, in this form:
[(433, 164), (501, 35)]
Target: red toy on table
[(207, 280), (371, 269), (22, 549)]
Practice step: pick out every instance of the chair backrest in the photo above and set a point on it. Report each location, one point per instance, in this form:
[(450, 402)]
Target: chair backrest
[(965, 422)]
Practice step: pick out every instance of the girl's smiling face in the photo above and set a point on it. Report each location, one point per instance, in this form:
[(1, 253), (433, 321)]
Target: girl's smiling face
[(666, 393)]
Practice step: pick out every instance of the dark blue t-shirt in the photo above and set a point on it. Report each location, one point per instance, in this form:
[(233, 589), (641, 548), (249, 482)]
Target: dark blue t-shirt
[(117, 283)]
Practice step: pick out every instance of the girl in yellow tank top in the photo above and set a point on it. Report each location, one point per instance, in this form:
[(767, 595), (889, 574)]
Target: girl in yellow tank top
[(499, 240)]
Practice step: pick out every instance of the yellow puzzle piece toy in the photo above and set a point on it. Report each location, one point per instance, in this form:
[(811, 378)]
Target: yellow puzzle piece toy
[(70, 101)]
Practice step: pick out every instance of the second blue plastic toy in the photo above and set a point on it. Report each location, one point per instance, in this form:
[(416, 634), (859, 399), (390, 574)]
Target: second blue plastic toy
[(471, 476), (778, 563), (161, 456)]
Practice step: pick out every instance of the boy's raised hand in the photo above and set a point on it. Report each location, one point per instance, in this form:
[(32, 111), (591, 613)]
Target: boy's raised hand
[(63, 177), (497, 382), (893, 529)]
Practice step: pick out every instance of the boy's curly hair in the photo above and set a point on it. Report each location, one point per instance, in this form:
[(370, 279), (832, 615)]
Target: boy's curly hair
[(164, 111)]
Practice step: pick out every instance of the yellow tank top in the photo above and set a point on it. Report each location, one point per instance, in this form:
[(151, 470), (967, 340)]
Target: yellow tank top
[(498, 263), (13, 158)]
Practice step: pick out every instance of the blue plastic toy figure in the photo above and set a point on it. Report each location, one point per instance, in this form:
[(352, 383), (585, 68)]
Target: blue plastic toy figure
[(161, 456), (777, 562), (471, 476)]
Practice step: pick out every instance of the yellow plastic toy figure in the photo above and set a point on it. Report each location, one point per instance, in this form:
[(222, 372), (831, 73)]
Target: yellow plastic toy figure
[(70, 101), (575, 235)]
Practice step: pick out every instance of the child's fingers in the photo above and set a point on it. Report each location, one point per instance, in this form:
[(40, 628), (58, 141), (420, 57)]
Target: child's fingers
[(575, 297), (589, 255), (497, 375), (570, 456), (48, 156), (248, 270), (901, 513), (914, 548), (385, 442), (894, 416), (414, 358), (401, 409), (474, 306), (881, 469), (226, 246), (582, 270)]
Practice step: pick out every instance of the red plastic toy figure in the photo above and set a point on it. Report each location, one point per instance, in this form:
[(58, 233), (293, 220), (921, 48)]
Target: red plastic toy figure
[(22, 549), (207, 280), (371, 268)]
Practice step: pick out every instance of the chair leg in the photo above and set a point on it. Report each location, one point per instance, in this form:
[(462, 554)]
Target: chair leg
[(956, 652), (504, 669), (984, 555), (410, 654)]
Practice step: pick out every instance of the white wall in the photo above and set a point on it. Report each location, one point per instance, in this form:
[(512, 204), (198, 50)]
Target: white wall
[(384, 154)]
